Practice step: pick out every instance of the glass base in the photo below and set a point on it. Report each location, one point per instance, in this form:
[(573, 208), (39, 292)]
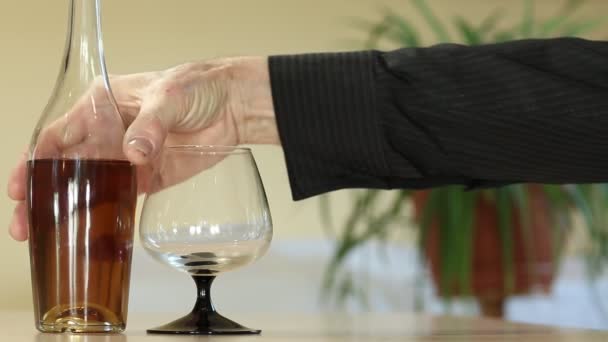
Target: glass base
[(80, 318), (70, 327), (203, 323)]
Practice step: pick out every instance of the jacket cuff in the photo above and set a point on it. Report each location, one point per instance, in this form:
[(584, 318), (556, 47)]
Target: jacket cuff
[(326, 112)]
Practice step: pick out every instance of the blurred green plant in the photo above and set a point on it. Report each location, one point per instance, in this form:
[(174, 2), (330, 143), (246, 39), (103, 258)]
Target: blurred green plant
[(371, 219)]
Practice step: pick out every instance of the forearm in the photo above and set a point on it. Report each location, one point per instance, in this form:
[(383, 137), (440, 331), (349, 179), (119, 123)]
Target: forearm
[(252, 100)]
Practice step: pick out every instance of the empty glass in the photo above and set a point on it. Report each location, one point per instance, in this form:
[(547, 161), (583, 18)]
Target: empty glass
[(205, 212)]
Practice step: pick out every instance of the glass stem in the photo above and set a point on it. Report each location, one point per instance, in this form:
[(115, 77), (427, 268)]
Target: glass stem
[(203, 304)]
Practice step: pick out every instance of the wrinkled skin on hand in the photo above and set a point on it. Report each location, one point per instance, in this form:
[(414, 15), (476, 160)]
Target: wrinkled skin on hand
[(205, 103)]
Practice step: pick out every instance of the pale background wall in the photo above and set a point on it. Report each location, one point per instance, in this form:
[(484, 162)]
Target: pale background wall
[(153, 34)]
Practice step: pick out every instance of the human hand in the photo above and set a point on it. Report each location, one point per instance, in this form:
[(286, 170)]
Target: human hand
[(224, 102)]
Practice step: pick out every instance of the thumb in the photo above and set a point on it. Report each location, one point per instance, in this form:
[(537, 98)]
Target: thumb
[(146, 135)]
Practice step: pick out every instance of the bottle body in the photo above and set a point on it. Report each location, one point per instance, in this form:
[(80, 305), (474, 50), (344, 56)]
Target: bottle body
[(81, 193), (81, 215)]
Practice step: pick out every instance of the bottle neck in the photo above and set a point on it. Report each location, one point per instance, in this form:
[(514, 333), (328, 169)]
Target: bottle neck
[(81, 119), (84, 58)]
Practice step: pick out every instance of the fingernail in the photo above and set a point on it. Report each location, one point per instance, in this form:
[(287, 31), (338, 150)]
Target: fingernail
[(142, 145)]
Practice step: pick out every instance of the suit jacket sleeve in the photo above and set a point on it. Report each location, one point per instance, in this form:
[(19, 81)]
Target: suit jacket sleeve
[(522, 111)]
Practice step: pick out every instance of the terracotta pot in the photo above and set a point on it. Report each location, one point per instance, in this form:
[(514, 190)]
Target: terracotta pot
[(533, 258)]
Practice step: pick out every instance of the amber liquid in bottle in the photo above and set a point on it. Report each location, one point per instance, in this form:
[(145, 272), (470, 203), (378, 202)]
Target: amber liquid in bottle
[(81, 218)]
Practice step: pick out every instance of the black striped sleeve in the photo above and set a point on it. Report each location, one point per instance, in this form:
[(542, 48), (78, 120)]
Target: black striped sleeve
[(326, 114), (524, 111)]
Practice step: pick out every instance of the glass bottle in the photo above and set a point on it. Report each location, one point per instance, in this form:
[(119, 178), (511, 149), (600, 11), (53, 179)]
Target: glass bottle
[(81, 193)]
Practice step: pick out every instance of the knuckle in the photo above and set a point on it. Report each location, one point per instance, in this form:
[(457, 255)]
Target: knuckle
[(185, 68), (171, 87)]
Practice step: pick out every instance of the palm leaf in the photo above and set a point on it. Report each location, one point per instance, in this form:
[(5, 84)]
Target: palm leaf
[(408, 36), (428, 217), (527, 24), (579, 197), (490, 23), (551, 25), (456, 222), (326, 216), (378, 225), (581, 27), (519, 194), (503, 206), (469, 35), (467, 232), (503, 36), (376, 33), (446, 252), (432, 20), (348, 240)]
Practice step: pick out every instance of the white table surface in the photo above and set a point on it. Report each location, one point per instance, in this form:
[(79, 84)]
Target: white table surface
[(19, 327)]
